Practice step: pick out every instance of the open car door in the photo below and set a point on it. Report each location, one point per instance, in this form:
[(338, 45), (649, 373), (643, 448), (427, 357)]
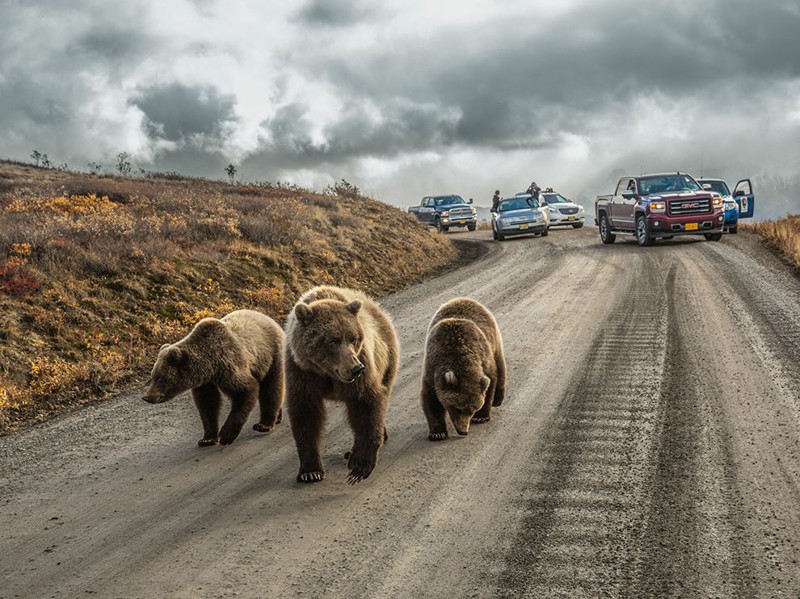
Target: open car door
[(743, 194)]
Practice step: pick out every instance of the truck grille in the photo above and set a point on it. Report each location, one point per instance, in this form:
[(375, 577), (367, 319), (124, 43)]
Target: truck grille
[(568, 210), (679, 207), (460, 213)]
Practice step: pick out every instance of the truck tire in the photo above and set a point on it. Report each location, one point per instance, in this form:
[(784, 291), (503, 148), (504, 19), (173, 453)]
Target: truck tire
[(606, 236), (643, 236), (734, 229), (577, 225), (545, 232), (713, 236), (471, 227), (440, 227)]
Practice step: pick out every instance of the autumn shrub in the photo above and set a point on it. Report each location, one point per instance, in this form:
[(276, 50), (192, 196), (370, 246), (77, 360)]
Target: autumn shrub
[(783, 234)]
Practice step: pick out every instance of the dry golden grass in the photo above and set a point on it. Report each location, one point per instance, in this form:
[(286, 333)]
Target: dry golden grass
[(96, 272), (782, 234)]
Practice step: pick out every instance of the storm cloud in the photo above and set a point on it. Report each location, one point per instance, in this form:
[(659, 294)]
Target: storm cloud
[(407, 97)]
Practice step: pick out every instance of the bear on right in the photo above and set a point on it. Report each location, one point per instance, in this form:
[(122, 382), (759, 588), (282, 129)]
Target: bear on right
[(464, 371)]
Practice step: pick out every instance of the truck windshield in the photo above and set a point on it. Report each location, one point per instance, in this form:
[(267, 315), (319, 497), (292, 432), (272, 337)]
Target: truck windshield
[(518, 204), (720, 187), (448, 200), (667, 183)]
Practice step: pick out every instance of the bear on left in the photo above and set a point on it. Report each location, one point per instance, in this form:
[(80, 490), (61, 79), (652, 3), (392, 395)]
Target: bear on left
[(239, 355)]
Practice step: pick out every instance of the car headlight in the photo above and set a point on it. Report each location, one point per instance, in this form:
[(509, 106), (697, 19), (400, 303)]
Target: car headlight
[(472, 208), (445, 213), (717, 201), (658, 206), (730, 205)]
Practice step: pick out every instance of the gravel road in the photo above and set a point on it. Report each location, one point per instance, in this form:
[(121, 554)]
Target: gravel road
[(649, 445)]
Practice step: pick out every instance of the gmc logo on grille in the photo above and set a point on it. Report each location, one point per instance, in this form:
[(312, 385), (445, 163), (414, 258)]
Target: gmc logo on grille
[(690, 205)]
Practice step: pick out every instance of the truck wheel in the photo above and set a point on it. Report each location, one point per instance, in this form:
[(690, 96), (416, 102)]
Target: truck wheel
[(713, 236), (577, 225), (734, 229), (471, 227), (605, 230), (545, 232), (642, 234), (440, 227)]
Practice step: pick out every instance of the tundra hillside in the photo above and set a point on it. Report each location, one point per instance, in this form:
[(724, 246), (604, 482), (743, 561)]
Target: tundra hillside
[(782, 234), (97, 271)]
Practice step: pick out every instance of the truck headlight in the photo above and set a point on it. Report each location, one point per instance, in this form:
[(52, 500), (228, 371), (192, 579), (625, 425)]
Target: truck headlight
[(658, 207), (445, 213), (717, 201), (472, 208)]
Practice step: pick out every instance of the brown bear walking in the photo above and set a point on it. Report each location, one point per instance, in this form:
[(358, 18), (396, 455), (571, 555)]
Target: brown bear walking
[(464, 373), (239, 355), (340, 345)]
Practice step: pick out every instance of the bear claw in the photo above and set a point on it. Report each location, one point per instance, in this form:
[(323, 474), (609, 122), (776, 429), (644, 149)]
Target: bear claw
[(480, 419), (206, 442), (437, 436), (262, 427), (310, 477)]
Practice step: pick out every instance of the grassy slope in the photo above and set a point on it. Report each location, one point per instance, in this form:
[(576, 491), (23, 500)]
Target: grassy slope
[(96, 272), (782, 234)]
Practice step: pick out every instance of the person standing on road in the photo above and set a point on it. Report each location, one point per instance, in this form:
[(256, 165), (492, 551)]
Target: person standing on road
[(495, 200)]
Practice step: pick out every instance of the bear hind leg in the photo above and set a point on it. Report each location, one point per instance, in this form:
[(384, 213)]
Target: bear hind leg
[(500, 389), (270, 398), (208, 399), (485, 413)]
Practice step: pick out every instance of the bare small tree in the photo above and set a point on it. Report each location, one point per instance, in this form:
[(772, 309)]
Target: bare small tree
[(37, 156), (231, 170), (95, 167), (123, 164), (46, 161)]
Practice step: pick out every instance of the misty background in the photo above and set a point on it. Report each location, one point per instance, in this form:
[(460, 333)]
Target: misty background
[(405, 98)]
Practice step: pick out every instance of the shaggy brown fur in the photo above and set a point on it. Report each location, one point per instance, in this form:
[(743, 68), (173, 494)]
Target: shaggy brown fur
[(464, 373), (239, 355), (341, 346)]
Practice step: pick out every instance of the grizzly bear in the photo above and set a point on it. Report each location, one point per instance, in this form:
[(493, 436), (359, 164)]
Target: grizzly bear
[(464, 370), (341, 346), (239, 355)]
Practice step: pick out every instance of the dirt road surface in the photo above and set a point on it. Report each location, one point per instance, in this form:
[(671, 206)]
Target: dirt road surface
[(649, 445)]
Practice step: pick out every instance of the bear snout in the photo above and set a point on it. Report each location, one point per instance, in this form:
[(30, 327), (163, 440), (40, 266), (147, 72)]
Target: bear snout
[(153, 398), (357, 370)]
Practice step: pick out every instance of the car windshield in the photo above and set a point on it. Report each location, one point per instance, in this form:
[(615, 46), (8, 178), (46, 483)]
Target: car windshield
[(555, 198), (719, 186), (448, 200), (518, 204), (667, 183)]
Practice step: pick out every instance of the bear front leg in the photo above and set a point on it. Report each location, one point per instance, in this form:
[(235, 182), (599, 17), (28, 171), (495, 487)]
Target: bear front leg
[(306, 408), (367, 419), (242, 403), (208, 399), (434, 413), (270, 397), (500, 388), (485, 413)]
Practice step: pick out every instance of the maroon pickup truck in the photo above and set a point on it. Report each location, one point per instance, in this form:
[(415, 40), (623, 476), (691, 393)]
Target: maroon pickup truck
[(659, 206)]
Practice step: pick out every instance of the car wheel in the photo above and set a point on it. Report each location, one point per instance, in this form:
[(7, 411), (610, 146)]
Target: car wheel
[(440, 227), (500, 236), (545, 232), (643, 237), (471, 227), (577, 225), (606, 236), (713, 236), (734, 229)]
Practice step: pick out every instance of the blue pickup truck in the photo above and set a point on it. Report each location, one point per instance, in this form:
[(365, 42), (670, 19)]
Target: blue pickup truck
[(445, 211), (740, 204)]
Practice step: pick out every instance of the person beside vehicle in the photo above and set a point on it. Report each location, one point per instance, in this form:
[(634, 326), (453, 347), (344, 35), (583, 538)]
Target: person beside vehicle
[(495, 200), (533, 190)]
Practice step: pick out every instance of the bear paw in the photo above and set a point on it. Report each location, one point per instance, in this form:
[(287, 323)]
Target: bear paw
[(207, 441), (360, 468), (310, 477), (262, 427), (480, 419), (437, 436), (227, 437)]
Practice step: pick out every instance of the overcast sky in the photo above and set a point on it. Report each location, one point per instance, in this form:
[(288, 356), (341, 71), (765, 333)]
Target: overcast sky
[(409, 97)]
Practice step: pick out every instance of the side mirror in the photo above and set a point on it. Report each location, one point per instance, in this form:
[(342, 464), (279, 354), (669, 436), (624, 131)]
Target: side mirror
[(707, 186), (469, 201), (628, 194)]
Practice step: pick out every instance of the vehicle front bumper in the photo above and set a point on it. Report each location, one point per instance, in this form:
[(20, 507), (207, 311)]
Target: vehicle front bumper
[(459, 221), (567, 219), (522, 228), (731, 217), (663, 225)]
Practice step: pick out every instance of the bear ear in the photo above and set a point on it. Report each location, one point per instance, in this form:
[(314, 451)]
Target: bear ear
[(177, 356), (353, 307), (450, 378), (485, 382), (304, 313)]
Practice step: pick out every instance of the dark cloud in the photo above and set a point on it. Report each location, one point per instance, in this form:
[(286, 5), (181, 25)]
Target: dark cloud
[(176, 112), (334, 13)]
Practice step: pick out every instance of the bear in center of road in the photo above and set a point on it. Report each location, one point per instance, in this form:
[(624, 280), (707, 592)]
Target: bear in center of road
[(464, 371), (340, 345)]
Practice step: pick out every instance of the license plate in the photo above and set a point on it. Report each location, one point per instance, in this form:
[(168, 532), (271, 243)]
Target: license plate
[(462, 222), (691, 226), (523, 226), (571, 218)]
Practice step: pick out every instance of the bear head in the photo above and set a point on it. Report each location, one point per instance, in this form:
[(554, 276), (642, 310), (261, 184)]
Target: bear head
[(170, 376), (462, 392), (329, 338)]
